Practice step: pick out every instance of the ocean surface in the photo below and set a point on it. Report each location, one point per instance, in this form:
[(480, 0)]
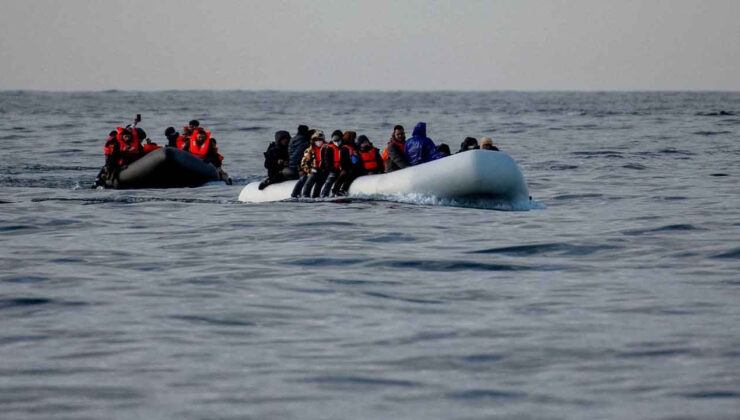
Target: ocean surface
[(618, 297)]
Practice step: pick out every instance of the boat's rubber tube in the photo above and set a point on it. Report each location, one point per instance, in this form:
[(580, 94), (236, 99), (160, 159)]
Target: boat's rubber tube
[(167, 167), (472, 174)]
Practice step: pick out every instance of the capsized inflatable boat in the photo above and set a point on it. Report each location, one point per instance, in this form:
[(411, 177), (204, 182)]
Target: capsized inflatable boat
[(471, 175), (167, 167)]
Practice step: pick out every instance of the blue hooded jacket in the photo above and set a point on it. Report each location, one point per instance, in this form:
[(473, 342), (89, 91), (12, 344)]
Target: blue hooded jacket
[(420, 148)]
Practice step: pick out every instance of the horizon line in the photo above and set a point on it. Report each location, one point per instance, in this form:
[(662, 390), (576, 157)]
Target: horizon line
[(688, 90)]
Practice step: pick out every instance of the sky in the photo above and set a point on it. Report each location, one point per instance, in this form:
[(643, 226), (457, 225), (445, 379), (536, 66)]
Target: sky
[(73, 45)]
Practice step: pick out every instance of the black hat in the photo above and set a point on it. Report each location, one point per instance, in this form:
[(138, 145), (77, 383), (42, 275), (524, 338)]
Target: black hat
[(169, 131)]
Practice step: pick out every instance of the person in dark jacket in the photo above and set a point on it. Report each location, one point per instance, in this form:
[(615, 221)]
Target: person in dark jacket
[(298, 144), (276, 159), (444, 149), (470, 143), (172, 135), (329, 164), (393, 155), (420, 148), (347, 161)]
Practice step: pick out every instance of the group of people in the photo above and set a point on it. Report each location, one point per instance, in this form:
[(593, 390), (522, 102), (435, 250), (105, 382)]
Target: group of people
[(327, 168), (126, 145)]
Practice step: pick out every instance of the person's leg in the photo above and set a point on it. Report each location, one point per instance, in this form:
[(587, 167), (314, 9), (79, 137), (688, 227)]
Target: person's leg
[(298, 186), (310, 182), (328, 184), (320, 179)]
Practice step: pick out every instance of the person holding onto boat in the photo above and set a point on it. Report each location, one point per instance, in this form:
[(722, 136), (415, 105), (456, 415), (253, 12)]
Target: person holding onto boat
[(205, 147), (486, 143), (311, 166), (276, 159), (297, 146), (469, 143), (347, 160), (420, 148), (394, 155)]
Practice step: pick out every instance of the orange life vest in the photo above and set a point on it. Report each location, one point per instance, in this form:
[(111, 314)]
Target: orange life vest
[(180, 142), (369, 159), (108, 146), (200, 151), (337, 154), (317, 156), (130, 151), (402, 146)]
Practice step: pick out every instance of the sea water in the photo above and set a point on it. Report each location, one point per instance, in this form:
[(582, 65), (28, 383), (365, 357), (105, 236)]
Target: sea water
[(618, 298)]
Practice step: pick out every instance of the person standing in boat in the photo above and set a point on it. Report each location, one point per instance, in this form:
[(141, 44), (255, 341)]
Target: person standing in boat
[(203, 146), (486, 143), (420, 148), (394, 156), (276, 159), (297, 146)]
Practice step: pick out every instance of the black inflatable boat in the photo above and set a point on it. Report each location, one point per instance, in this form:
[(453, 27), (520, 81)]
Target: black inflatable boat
[(167, 167)]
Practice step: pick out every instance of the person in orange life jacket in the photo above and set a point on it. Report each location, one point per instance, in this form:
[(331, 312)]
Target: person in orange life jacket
[(311, 165), (486, 143), (393, 155), (347, 161), (330, 162), (370, 160), (203, 146), (112, 158), (276, 159)]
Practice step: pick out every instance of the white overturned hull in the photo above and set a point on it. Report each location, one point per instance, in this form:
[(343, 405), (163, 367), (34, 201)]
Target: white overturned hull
[(476, 174)]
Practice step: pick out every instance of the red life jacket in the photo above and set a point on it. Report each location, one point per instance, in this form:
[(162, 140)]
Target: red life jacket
[(180, 142), (108, 146), (129, 151), (200, 151), (317, 156), (337, 154), (369, 159), (402, 146), (151, 147)]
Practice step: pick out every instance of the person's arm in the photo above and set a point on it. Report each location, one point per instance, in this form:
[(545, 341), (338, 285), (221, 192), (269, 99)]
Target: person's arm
[(213, 157)]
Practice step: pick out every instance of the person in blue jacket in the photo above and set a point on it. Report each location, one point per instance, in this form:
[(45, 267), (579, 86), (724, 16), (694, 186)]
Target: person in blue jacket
[(420, 148)]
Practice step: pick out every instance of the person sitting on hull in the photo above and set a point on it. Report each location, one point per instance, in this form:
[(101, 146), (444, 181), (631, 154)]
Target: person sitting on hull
[(330, 162), (420, 148), (394, 155), (311, 166), (469, 143), (276, 159), (486, 143), (297, 146), (347, 161), (205, 147)]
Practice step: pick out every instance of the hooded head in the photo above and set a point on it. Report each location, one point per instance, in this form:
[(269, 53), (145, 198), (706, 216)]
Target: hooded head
[(363, 143), (469, 143), (318, 138), (444, 149), (282, 138), (420, 130), (194, 123), (349, 138), (303, 130)]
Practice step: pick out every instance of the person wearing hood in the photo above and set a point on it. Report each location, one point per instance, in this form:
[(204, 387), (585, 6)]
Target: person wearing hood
[(470, 143), (420, 148), (276, 159), (331, 161), (297, 146), (486, 143), (371, 162), (394, 156), (347, 163), (311, 166)]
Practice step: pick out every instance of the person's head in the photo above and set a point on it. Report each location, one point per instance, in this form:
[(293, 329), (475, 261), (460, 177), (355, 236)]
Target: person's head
[(349, 138), (486, 143), (336, 137), (113, 134), (399, 134), (187, 131), (469, 143), (282, 138), (318, 138), (444, 149), (170, 132), (193, 124), (127, 136), (201, 136), (303, 130), (363, 143)]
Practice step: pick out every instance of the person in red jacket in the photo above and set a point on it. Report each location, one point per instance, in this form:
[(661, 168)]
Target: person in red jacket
[(370, 159), (203, 146)]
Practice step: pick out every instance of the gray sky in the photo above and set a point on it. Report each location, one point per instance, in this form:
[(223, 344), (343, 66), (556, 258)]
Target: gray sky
[(370, 45)]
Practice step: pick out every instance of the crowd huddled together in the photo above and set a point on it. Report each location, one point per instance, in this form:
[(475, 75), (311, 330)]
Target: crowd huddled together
[(126, 145), (326, 168)]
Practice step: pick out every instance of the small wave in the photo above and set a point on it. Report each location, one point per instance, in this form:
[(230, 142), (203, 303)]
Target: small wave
[(442, 265), (716, 114), (667, 228), (559, 248), (672, 151), (360, 381), (711, 133), (577, 196), (252, 128), (735, 253), (635, 166), (486, 394), (473, 202), (719, 174), (711, 394)]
